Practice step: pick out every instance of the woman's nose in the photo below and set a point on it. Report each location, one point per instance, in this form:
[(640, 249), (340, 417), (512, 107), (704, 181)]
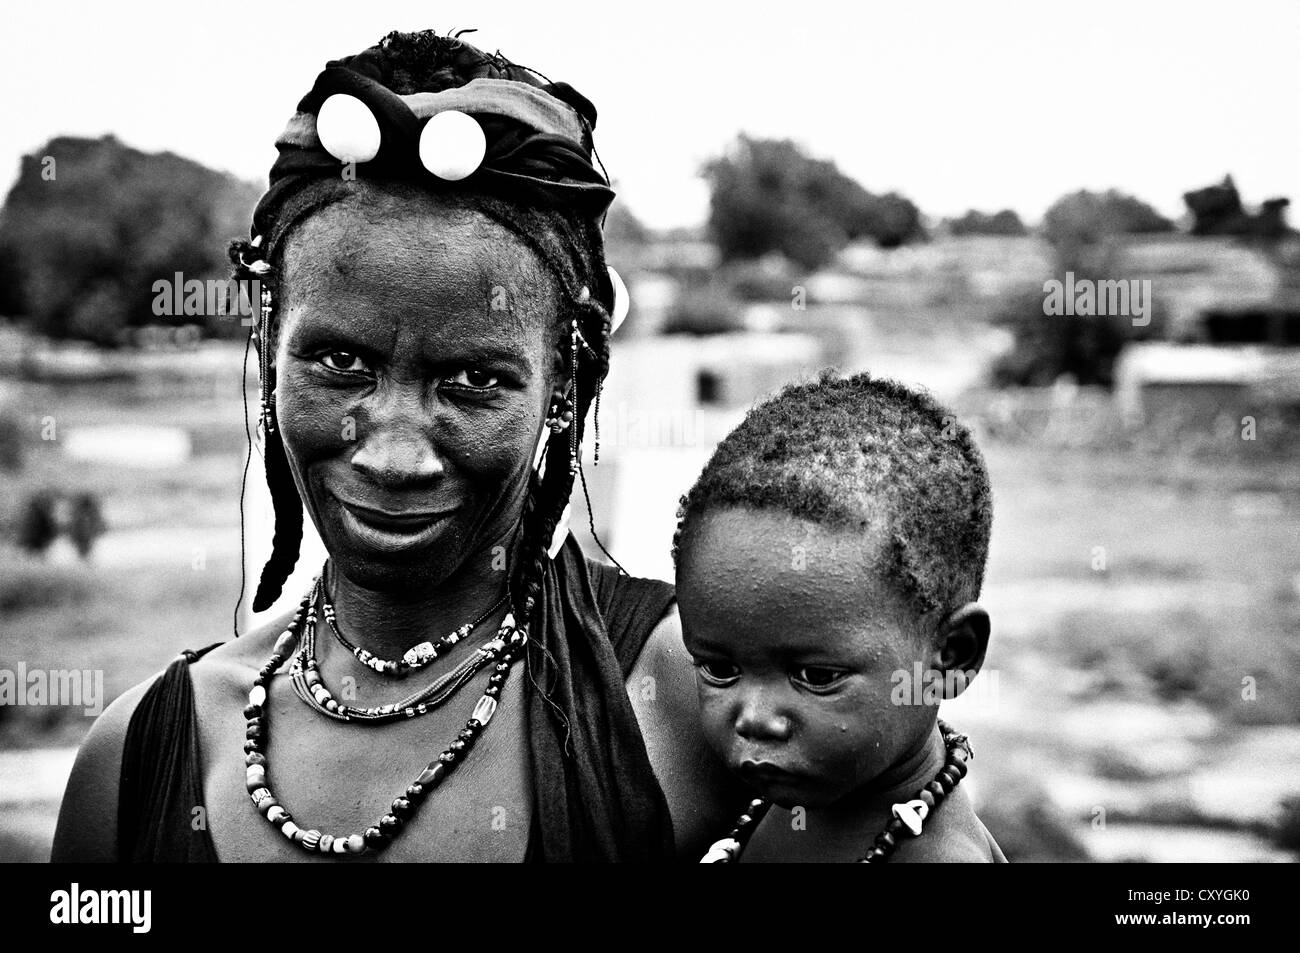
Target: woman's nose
[(395, 445), (760, 718)]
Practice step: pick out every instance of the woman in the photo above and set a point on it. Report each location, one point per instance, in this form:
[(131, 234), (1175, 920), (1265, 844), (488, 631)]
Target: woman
[(436, 315)]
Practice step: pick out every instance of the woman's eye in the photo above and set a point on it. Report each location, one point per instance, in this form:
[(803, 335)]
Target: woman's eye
[(345, 362), (473, 377), (816, 676), (716, 672)]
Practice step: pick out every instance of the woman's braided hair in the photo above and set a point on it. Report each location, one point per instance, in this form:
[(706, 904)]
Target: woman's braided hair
[(568, 244)]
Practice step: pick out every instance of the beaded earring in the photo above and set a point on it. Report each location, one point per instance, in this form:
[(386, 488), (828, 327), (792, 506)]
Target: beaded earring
[(264, 363), (574, 336), (561, 413)]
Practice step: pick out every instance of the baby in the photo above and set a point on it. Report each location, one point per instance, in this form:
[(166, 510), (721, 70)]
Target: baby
[(835, 540)]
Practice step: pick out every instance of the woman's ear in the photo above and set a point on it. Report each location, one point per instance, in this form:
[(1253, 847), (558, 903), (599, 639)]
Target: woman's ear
[(960, 646)]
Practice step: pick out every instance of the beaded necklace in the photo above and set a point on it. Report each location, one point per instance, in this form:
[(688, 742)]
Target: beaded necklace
[(404, 806), (416, 657), (908, 816), (309, 685)]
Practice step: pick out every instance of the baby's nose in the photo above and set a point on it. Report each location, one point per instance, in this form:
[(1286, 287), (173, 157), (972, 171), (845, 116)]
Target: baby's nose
[(760, 719)]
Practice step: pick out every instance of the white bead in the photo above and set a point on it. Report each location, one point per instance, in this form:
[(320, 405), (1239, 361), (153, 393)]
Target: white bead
[(340, 845), (722, 851), (452, 145), (911, 813), (484, 710), (257, 696), (288, 829), (622, 301), (348, 129)]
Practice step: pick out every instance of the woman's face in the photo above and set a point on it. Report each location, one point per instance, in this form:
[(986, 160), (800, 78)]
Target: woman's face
[(414, 363)]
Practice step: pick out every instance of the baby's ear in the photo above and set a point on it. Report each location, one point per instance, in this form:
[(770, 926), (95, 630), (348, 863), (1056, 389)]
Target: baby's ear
[(960, 646)]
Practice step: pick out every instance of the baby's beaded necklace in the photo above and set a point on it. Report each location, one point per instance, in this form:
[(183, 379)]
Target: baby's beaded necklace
[(908, 816)]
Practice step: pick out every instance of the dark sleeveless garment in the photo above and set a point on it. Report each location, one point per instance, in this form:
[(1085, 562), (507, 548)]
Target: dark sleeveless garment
[(595, 796)]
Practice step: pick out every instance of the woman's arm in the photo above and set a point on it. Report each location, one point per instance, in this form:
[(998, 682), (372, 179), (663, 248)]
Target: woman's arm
[(703, 797), (87, 827)]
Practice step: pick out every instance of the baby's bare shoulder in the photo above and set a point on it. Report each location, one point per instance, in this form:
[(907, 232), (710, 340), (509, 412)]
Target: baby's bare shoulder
[(953, 834)]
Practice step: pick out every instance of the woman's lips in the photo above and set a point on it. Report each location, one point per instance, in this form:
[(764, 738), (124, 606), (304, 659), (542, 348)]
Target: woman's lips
[(392, 532)]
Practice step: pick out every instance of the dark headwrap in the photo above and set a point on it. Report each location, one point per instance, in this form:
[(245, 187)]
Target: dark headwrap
[(595, 795)]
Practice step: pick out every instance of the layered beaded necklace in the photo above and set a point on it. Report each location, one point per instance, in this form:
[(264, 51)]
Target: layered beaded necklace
[(505, 649), (309, 686), (908, 816)]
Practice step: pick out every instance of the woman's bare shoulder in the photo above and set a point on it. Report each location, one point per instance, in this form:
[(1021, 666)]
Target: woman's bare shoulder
[(87, 827), (232, 665), (702, 795), (87, 824)]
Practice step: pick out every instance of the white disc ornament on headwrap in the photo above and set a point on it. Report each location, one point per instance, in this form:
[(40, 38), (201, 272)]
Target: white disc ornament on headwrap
[(622, 301), (348, 129), (452, 145)]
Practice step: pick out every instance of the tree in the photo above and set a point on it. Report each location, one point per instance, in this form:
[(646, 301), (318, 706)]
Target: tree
[(766, 195), (1086, 218), (86, 243), (1005, 222)]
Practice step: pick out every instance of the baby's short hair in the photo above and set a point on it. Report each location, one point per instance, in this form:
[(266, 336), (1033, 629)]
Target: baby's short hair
[(858, 452)]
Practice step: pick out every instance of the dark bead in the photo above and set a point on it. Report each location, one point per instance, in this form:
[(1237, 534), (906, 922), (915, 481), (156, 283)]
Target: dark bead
[(250, 745), (935, 788), (466, 735), (876, 855), (885, 840), (415, 792), (253, 711), (260, 681), (283, 819), (946, 779), (496, 679), (473, 724), (492, 691), (895, 827), (447, 757), (390, 825), (254, 732), (958, 768), (457, 746), (503, 666), (375, 838), (927, 797), (255, 757), (402, 808)]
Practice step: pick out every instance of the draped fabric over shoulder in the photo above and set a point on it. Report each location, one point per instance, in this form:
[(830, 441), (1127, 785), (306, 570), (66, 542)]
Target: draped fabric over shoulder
[(595, 796)]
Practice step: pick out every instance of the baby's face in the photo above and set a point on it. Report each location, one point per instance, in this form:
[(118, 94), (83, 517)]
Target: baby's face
[(796, 636)]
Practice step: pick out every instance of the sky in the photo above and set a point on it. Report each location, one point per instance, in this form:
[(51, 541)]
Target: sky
[(957, 105)]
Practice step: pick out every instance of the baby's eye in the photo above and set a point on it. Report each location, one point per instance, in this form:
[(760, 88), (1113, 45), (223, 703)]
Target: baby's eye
[(475, 378), (345, 362), (818, 676), (716, 672)]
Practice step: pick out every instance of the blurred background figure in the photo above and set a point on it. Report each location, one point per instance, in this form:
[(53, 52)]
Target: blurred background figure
[(39, 525), (87, 524)]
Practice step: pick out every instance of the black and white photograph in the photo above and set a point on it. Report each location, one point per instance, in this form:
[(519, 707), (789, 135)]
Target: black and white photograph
[(651, 434)]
